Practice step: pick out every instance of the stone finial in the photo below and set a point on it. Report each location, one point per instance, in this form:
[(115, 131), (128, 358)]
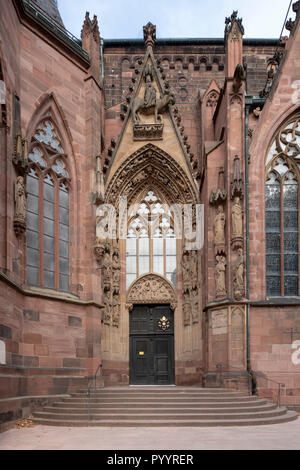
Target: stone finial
[(231, 21), (90, 27), (149, 34)]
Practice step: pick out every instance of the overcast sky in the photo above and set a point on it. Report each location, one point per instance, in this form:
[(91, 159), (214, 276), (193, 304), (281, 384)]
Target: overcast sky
[(176, 18)]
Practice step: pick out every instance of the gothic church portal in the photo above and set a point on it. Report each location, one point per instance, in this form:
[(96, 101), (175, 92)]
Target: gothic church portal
[(168, 126)]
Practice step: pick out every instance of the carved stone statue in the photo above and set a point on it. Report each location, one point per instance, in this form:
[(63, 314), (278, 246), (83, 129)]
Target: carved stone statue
[(116, 312), (237, 219), (238, 276), (99, 250), (238, 78), (219, 226), (156, 108), (20, 207), (116, 270), (220, 276), (107, 269), (107, 308), (150, 95), (20, 199)]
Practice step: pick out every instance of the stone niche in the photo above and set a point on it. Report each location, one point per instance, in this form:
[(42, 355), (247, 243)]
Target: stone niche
[(226, 336)]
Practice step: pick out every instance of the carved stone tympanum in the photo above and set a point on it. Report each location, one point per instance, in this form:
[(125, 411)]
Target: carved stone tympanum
[(152, 289)]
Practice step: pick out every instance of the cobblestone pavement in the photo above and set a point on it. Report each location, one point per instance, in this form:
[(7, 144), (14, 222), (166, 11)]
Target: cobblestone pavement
[(268, 437)]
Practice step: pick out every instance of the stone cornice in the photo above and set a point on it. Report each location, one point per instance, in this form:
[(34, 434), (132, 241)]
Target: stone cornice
[(51, 295)]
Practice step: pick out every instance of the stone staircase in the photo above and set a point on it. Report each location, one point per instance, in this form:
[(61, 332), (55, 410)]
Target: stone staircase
[(162, 406)]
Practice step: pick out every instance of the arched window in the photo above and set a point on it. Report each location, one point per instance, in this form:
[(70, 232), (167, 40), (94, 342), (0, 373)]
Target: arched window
[(282, 218), (151, 242), (47, 234)]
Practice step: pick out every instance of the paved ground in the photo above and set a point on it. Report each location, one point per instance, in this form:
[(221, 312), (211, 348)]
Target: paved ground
[(269, 437)]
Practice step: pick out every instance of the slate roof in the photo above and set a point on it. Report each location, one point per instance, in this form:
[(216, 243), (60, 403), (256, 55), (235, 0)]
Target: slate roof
[(51, 8)]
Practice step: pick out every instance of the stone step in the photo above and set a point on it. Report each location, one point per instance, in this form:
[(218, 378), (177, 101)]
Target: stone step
[(158, 412), (204, 415), (150, 395), (159, 405), (288, 416), (175, 400), (159, 390)]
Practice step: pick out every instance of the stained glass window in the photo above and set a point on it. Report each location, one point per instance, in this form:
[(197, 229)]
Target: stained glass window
[(282, 219), (47, 211)]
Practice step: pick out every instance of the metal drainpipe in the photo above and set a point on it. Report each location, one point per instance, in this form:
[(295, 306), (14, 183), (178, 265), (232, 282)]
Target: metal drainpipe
[(101, 55)]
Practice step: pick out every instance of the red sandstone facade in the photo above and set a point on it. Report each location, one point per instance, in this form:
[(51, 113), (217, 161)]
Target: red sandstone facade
[(214, 149)]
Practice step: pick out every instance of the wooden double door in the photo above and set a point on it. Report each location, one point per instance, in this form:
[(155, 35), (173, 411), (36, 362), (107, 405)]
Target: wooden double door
[(151, 345)]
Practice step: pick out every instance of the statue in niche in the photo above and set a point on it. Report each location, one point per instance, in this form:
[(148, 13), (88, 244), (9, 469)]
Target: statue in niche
[(116, 270), (219, 226), (107, 308), (20, 199), (107, 269), (237, 219), (116, 312), (238, 276), (220, 276)]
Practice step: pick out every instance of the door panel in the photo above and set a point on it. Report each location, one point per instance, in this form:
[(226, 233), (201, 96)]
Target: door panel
[(151, 348)]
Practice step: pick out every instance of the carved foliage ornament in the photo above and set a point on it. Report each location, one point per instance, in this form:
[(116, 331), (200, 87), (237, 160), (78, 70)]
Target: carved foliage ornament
[(149, 34), (143, 165), (110, 257), (234, 22)]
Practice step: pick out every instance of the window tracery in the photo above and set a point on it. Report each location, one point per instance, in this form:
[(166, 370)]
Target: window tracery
[(282, 218), (151, 242), (47, 235)]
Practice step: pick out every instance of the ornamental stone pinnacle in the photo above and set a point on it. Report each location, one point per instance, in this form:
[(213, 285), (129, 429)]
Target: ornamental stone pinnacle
[(149, 34)]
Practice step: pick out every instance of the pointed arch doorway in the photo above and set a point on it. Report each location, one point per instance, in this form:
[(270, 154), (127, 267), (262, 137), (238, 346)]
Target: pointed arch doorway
[(151, 303)]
